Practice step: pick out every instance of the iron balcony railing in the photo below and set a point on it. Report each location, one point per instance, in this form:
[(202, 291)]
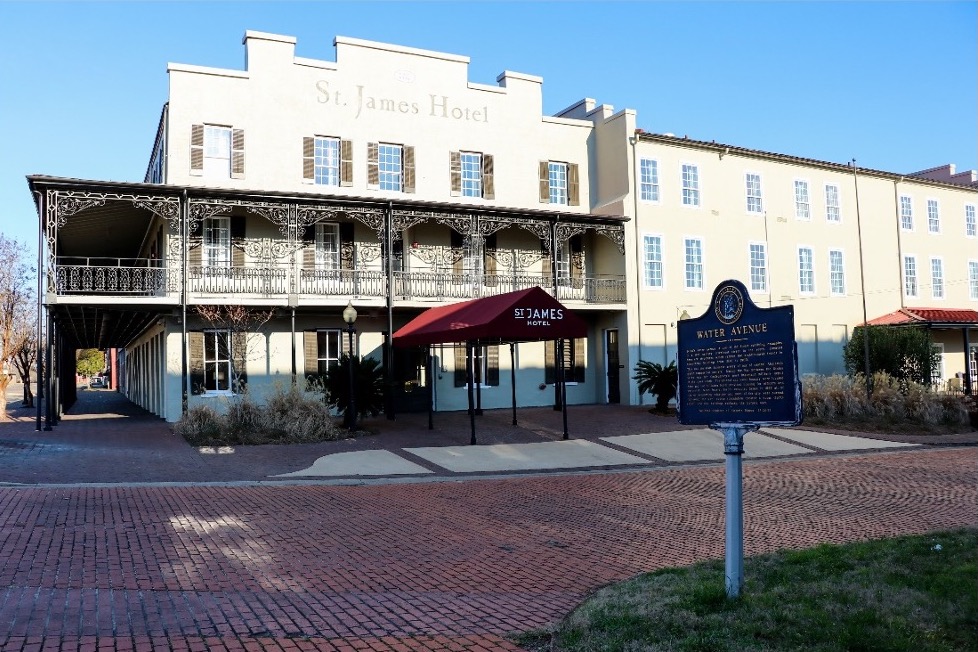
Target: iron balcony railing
[(445, 285), (238, 280), (343, 282), (109, 276)]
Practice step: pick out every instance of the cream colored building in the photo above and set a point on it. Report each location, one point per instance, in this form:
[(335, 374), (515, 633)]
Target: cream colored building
[(390, 180)]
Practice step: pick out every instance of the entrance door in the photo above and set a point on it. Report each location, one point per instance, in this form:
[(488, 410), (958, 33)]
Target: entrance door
[(973, 368), (611, 349)]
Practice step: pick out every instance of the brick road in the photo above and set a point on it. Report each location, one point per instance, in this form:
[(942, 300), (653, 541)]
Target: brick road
[(424, 566)]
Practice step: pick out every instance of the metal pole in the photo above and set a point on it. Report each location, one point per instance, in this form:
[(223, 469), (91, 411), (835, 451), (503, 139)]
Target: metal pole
[(477, 354), (468, 370), (184, 271), (431, 389), (42, 221), (294, 370), (862, 282), (351, 408), (389, 412), (48, 382), (733, 448), (512, 376)]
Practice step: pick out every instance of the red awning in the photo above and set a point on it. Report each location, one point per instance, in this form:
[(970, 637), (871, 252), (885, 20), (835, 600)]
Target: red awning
[(522, 316)]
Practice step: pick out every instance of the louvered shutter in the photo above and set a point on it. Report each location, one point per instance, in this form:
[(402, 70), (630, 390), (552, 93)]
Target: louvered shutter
[(409, 177), (577, 261), (239, 354), (573, 185), (458, 256), (308, 159), (309, 247), (346, 246), (488, 172), (346, 162), (195, 253), (455, 173), (549, 362), (310, 354), (489, 261), (237, 240), (544, 182), (460, 371), (580, 359), (196, 150), (237, 154), (345, 343), (492, 365), (196, 341), (373, 167), (546, 265)]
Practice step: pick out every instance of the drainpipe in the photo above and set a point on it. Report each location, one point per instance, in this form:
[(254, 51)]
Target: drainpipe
[(389, 340), (184, 237), (638, 257), (896, 203), (862, 282)]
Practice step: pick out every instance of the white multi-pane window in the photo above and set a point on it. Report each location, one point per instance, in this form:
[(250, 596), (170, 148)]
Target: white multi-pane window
[(937, 373), (910, 276), (217, 242), (753, 186), (937, 278), (217, 361), (326, 161), (694, 263), (329, 347), (803, 205), (563, 263), (653, 261), (471, 174), (806, 271), (832, 211), (758, 267), (558, 182), (217, 151), (390, 167), (328, 246), (837, 272), (906, 213), (970, 223), (973, 280), (649, 184), (933, 216), (691, 185)]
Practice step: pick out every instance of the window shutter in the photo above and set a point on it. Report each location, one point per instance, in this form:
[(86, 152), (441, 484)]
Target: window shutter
[(460, 371), (345, 343), (310, 354), (239, 353), (489, 261), (492, 365), (409, 177), (549, 362), (309, 247), (308, 159), (488, 170), (544, 182), (346, 162), (196, 341), (237, 240), (373, 167), (577, 261), (458, 256), (455, 172), (580, 359), (196, 150), (346, 246), (237, 154), (546, 265), (195, 256), (573, 185)]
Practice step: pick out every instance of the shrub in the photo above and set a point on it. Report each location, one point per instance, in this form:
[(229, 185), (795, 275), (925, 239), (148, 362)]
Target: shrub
[(200, 426), (657, 380), (368, 381)]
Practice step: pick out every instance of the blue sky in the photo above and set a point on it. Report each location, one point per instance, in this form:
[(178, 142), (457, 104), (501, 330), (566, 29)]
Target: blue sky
[(891, 84)]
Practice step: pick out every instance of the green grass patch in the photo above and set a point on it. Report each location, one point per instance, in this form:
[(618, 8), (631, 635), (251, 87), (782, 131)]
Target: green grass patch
[(907, 594)]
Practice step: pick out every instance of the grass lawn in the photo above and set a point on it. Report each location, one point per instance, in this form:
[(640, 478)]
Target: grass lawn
[(913, 594)]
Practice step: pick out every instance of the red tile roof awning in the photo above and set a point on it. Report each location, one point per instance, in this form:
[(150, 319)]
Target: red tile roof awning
[(521, 316), (945, 317)]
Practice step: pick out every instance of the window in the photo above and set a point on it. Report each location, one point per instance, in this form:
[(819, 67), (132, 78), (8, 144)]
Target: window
[(970, 223), (653, 261), (563, 263), (906, 213), (937, 278), (758, 267), (649, 180), (933, 216), (327, 161), (754, 203), (910, 276), (559, 183), (217, 242), (691, 185), (471, 175), (390, 167), (806, 271), (803, 206), (973, 280), (837, 273), (485, 366), (322, 350), (216, 151), (832, 211), (575, 361), (217, 361), (694, 263), (327, 246), (937, 373)]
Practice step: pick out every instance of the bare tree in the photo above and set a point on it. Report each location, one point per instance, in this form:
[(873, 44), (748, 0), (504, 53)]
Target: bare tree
[(16, 297), (25, 348), (242, 323)]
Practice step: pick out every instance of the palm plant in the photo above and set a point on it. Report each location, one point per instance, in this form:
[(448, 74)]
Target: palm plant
[(657, 380), (368, 381)]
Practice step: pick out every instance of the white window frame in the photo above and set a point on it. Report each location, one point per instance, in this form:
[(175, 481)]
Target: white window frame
[(973, 280), (216, 242), (833, 203), (217, 151), (471, 173), (911, 277), (937, 289), (970, 221), (330, 357), (689, 174), (837, 277), (326, 161), (653, 264), (803, 200), (390, 167), (649, 188), (694, 269), (933, 216), (757, 274), (557, 173), (937, 375), (212, 335), (327, 246), (754, 193), (806, 274), (906, 212)]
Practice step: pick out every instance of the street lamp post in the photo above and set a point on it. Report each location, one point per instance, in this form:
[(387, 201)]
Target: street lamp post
[(350, 317)]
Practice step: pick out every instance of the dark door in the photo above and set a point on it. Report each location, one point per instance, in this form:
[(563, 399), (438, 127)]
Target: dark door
[(611, 347)]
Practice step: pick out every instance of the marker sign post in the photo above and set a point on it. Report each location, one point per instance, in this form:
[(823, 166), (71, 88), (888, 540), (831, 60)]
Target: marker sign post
[(738, 372)]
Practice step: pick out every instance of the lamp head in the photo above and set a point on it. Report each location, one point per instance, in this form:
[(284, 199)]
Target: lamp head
[(349, 313)]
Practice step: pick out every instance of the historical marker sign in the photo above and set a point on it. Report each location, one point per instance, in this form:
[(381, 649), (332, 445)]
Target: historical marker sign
[(738, 363)]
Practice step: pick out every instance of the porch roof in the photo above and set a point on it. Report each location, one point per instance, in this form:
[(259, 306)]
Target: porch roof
[(933, 317)]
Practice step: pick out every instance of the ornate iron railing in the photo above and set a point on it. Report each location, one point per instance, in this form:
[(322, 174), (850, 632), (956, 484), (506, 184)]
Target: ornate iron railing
[(109, 276), (445, 285), (238, 280), (343, 282)]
